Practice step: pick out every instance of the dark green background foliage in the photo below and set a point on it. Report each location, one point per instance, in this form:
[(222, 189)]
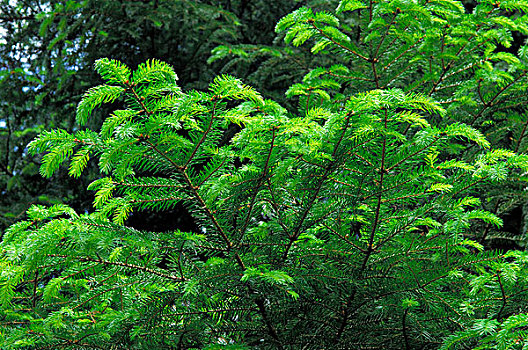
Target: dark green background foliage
[(364, 190)]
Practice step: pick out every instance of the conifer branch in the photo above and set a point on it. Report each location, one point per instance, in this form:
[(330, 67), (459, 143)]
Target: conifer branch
[(401, 197), (212, 172), (492, 101), (382, 171), (479, 85), (105, 291), (393, 78), (203, 206), (164, 155), (512, 106), (337, 43), (404, 328), (78, 272), (347, 77), (306, 233), (451, 307), (373, 62), (130, 87), (213, 311), (145, 185), (442, 47), (465, 68), (204, 136), (273, 203), (488, 225), (362, 158), (463, 189), (447, 67), (342, 183), (391, 236), (402, 54), (117, 263), (521, 136), (406, 158), (68, 343), (388, 189), (344, 238), (386, 32), (297, 229), (345, 316), (311, 163), (179, 261), (504, 298), (260, 181), (271, 329), (156, 200)]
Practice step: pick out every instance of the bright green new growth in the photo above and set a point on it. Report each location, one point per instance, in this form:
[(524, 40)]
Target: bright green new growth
[(347, 225)]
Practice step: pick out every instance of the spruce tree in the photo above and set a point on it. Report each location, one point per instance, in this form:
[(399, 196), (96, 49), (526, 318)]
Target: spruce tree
[(354, 222)]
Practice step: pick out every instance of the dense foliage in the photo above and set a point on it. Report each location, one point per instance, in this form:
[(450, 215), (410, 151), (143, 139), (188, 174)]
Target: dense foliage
[(364, 219), (47, 51)]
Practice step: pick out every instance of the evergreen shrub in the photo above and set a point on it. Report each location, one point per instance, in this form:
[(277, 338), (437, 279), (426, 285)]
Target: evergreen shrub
[(356, 222)]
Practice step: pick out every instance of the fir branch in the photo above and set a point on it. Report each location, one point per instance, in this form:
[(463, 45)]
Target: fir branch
[(451, 307), (131, 87), (68, 343), (392, 22), (346, 313), (362, 158), (347, 77), (465, 68), (278, 212), (212, 172), (329, 168), (309, 162), (492, 101), (382, 171), (312, 23), (504, 298), (281, 204), (176, 166), (203, 206), (523, 131), (271, 329), (401, 197), (373, 62), (410, 65), (420, 150), (260, 181), (204, 135), (388, 189), (402, 54), (73, 274), (117, 263), (345, 239), (447, 67), (156, 200), (103, 292), (463, 189), (122, 183), (212, 311), (404, 329), (479, 86)]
